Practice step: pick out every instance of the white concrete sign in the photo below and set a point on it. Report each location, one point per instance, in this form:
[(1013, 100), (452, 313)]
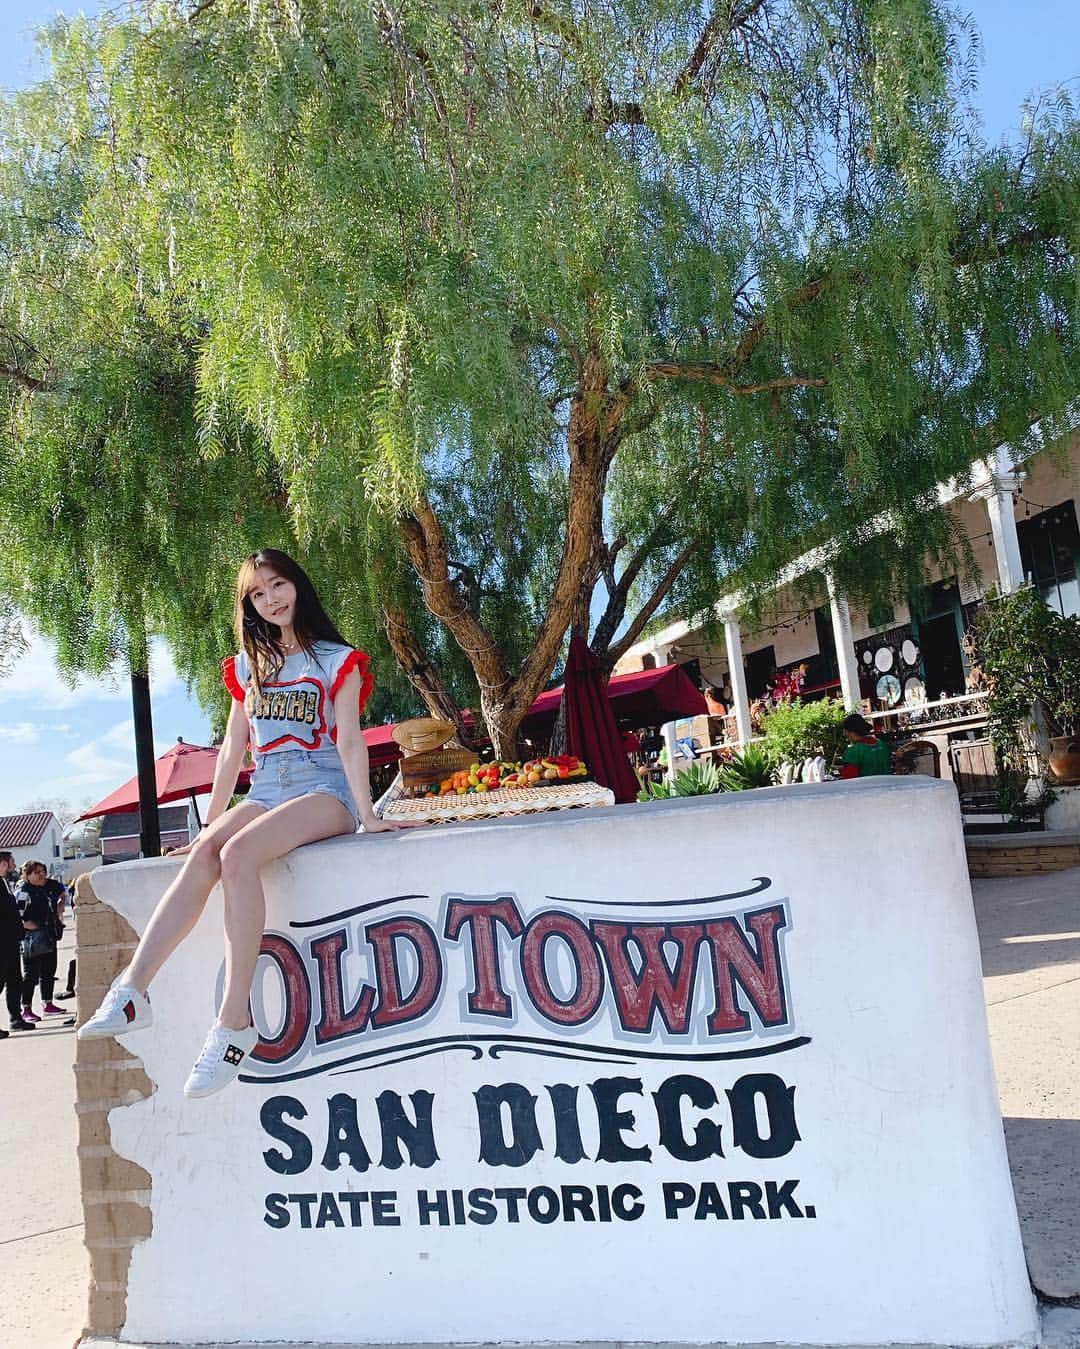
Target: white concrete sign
[(708, 1071)]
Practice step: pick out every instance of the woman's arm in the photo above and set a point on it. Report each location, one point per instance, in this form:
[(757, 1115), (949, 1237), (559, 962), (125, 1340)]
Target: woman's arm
[(354, 756), (230, 756)]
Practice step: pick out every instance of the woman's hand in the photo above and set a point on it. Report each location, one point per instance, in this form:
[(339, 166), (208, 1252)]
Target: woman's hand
[(177, 852), (377, 826), (30, 927)]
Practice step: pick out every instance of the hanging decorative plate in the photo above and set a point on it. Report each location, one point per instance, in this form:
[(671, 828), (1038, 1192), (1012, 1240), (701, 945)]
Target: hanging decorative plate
[(909, 652), (889, 690), (914, 690), (883, 658), (868, 657)]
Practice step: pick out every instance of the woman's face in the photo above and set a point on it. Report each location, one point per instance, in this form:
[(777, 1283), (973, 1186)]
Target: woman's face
[(273, 596), (37, 876)]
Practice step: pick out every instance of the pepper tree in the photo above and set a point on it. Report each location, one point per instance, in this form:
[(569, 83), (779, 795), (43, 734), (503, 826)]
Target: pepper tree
[(511, 316)]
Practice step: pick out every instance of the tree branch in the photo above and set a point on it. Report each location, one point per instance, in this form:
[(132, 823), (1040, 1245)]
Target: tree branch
[(16, 375), (615, 652), (422, 675), (710, 372)]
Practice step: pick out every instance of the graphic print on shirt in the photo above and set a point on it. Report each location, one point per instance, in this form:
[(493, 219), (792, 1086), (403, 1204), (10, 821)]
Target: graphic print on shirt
[(288, 713)]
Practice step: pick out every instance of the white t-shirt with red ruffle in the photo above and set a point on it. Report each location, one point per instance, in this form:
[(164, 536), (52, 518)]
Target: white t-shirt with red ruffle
[(296, 709)]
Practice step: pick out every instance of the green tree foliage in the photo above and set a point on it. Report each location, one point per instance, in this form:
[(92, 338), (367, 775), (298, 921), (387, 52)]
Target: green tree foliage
[(481, 308), (796, 730)]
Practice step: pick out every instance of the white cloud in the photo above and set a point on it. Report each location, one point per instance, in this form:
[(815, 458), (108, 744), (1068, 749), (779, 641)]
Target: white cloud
[(35, 677), (22, 733)]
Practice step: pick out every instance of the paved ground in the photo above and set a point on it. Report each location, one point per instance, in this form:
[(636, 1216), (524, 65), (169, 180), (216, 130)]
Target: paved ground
[(1030, 935), (44, 1269)]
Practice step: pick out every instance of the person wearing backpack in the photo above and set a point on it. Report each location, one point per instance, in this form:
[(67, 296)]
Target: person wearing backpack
[(41, 903)]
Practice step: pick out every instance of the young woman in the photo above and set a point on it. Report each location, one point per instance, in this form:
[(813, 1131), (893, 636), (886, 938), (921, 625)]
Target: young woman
[(298, 690), (41, 904)]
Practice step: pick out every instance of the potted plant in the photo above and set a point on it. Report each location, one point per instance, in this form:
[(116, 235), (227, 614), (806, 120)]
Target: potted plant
[(1031, 661)]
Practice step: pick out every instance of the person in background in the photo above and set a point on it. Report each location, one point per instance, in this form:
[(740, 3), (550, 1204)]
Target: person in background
[(11, 935), (867, 755), (41, 904)]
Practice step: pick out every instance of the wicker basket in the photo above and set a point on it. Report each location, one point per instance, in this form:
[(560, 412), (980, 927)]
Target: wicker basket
[(419, 771)]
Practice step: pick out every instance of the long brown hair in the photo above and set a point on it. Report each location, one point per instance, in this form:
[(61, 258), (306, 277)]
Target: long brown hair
[(259, 638)]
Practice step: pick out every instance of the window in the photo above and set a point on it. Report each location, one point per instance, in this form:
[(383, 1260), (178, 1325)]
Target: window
[(1049, 545)]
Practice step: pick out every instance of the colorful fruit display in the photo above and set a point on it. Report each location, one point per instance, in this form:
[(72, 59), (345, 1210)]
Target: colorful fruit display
[(490, 777)]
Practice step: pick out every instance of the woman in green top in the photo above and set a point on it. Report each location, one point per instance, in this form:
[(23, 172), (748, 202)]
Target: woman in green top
[(867, 755)]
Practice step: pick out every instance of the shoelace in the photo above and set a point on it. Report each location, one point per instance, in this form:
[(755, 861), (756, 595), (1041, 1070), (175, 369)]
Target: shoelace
[(214, 1047)]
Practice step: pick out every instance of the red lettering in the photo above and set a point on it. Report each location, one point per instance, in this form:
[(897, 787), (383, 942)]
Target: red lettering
[(334, 1021), (657, 988), (487, 993), (395, 1006), (590, 976), (297, 999), (758, 974)]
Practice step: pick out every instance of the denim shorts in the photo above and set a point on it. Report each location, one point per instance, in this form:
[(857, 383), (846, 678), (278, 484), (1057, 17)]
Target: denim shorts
[(285, 774)]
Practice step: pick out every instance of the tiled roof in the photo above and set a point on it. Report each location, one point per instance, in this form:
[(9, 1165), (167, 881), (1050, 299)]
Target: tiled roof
[(23, 831)]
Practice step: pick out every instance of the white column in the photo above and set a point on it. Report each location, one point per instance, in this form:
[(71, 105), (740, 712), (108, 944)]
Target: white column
[(668, 732), (1002, 480), (737, 675), (845, 646)]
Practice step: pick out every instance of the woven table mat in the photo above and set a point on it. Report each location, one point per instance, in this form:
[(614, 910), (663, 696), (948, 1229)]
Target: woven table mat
[(502, 801)]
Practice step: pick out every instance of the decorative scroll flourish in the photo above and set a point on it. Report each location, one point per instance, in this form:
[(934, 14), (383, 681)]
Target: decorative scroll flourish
[(761, 883), (498, 1045), (358, 908)]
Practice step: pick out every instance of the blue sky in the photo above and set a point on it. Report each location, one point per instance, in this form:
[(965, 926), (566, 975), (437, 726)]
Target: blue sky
[(78, 744)]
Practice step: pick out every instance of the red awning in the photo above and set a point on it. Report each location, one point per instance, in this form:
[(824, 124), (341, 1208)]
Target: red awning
[(183, 770), (642, 698)]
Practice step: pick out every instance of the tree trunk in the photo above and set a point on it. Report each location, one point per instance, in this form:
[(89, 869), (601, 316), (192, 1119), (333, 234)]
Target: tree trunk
[(423, 676)]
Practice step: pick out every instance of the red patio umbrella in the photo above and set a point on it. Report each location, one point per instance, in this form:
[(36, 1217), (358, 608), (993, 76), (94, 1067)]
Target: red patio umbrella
[(641, 698), (591, 731), (183, 770)]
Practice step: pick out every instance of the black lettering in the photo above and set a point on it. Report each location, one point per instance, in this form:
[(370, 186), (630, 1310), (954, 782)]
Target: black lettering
[(511, 1199), (458, 1201), (577, 1202), (744, 1194), (706, 1140), (277, 1211), (343, 1135), (384, 1208), (543, 1204), (781, 1199), (438, 1206), (615, 1122), (305, 1203), (709, 1204), (568, 1147), (418, 1135), (353, 1199), (627, 1203), (524, 1141), (779, 1101), (329, 1212), (271, 1117), (677, 1196), (481, 1209)]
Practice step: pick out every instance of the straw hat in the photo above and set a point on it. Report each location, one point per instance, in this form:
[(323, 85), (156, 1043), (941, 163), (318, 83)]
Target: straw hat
[(422, 733)]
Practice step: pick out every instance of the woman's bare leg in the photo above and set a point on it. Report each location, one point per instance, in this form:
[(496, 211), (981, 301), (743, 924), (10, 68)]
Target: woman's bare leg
[(279, 831), (182, 903)]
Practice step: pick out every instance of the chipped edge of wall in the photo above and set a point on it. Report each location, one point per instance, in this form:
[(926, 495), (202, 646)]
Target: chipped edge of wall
[(115, 1190)]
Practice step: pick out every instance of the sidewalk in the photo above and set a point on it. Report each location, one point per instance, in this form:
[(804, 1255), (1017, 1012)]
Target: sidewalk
[(1029, 930)]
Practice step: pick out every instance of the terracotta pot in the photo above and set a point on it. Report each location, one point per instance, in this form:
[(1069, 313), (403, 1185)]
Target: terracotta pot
[(1065, 760)]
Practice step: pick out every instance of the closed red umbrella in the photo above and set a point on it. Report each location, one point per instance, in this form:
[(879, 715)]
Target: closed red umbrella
[(183, 770), (591, 731)]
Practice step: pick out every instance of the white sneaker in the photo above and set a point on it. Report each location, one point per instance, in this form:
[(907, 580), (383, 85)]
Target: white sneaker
[(225, 1050), (123, 1008)]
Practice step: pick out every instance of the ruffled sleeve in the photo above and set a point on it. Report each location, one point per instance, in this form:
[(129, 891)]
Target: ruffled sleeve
[(353, 660), (230, 677)]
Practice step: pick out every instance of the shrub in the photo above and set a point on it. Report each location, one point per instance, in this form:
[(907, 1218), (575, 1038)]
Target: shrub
[(754, 767), (798, 730), (700, 779)]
